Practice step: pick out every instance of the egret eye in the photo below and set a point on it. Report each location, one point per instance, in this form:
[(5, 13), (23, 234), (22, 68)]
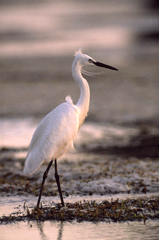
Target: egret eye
[(90, 60)]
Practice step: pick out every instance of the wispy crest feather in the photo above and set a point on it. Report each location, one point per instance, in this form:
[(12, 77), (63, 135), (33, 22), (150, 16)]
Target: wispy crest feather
[(78, 52), (91, 74)]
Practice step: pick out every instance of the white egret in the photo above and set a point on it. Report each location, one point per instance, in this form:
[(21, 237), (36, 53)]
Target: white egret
[(55, 134)]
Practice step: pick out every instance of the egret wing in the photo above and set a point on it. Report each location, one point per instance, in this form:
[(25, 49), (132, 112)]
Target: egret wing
[(53, 136)]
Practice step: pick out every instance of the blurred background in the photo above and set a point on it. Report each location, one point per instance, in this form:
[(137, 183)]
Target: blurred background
[(38, 40)]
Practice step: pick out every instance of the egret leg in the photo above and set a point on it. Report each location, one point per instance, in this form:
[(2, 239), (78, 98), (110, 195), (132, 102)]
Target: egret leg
[(43, 181), (58, 183)]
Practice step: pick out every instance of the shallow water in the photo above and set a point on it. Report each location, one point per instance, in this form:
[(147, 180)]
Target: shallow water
[(85, 230)]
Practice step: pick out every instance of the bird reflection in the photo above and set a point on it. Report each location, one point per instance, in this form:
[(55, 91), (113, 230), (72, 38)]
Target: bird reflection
[(60, 231), (40, 226)]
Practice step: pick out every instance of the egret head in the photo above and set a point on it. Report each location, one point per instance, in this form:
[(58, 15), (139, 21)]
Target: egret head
[(83, 59)]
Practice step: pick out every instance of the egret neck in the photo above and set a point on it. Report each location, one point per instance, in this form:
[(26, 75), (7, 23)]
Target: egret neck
[(83, 102)]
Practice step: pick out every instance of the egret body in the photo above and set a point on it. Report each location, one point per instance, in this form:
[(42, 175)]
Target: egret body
[(55, 134)]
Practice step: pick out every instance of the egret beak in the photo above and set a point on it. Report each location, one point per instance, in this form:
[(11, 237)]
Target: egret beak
[(99, 64)]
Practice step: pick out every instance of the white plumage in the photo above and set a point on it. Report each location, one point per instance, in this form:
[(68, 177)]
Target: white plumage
[(53, 137), (55, 134)]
